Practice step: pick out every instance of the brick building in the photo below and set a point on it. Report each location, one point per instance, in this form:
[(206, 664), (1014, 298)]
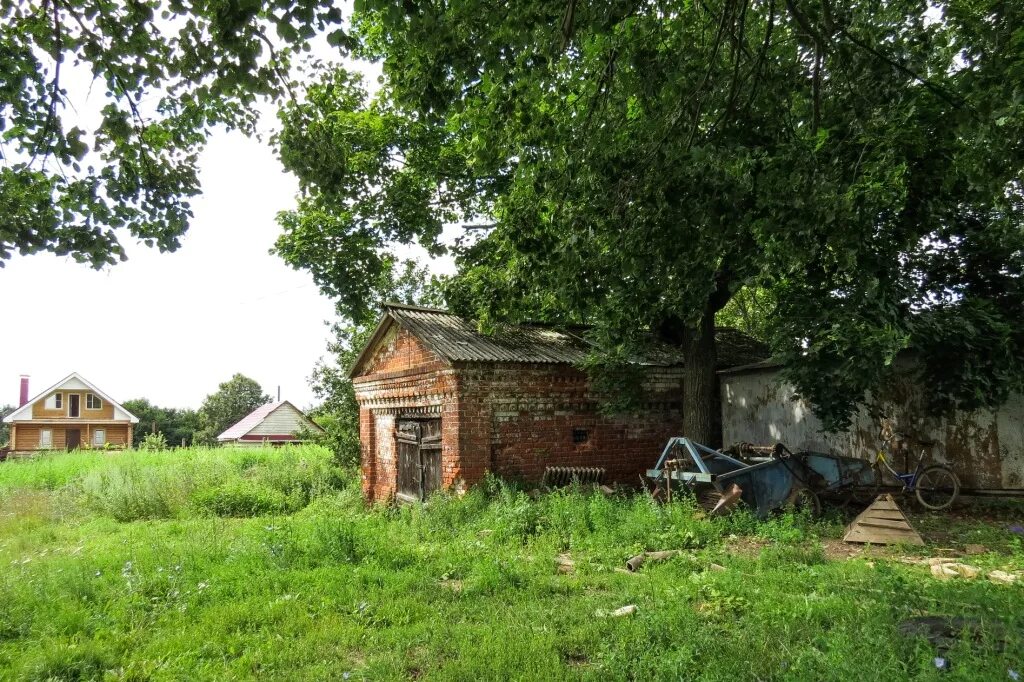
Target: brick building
[(441, 404)]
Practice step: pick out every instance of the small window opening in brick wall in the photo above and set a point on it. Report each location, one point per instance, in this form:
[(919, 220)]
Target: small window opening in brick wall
[(580, 435)]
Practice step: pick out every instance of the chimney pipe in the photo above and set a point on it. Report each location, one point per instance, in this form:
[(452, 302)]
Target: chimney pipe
[(23, 397), (278, 394)]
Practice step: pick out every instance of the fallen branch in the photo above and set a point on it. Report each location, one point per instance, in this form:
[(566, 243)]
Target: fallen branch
[(640, 559)]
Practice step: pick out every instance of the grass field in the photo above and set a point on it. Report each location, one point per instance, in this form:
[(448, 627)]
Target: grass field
[(220, 564)]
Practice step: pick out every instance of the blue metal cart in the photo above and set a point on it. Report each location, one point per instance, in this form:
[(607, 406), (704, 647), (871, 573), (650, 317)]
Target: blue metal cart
[(764, 484)]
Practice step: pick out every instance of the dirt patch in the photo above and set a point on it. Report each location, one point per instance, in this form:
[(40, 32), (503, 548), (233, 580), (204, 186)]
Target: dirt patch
[(745, 546), (837, 550), (575, 659), (453, 585)]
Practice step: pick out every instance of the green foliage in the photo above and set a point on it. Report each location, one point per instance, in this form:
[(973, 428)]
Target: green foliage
[(177, 425), (233, 400), (167, 73), (338, 412), (462, 588), (241, 498), (637, 167), (5, 429), (132, 491), (184, 482), (751, 310), (153, 441)]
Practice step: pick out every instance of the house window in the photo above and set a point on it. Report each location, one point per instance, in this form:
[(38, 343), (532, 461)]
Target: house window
[(99, 437), (46, 438), (93, 402), (55, 401), (580, 436)]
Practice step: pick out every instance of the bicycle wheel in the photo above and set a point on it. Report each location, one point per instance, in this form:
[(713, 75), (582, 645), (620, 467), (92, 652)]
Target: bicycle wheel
[(937, 488)]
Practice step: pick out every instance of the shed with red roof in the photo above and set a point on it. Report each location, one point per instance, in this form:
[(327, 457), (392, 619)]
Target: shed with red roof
[(274, 423)]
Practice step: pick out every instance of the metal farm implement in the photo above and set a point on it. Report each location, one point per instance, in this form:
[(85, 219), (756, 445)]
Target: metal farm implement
[(764, 483)]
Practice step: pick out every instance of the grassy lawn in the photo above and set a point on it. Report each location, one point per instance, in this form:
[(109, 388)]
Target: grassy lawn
[(217, 564)]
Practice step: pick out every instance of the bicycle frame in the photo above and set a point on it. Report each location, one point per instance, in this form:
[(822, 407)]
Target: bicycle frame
[(909, 481)]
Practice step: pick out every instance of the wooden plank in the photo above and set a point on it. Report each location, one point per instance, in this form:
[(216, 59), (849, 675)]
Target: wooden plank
[(861, 531), (880, 536), (885, 523), (883, 537), (886, 515), (883, 515)]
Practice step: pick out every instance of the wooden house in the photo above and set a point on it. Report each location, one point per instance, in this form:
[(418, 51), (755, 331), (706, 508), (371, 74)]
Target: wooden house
[(274, 423), (71, 414)]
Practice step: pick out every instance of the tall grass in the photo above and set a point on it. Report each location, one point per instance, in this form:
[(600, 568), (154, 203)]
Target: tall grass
[(266, 564), (135, 485)]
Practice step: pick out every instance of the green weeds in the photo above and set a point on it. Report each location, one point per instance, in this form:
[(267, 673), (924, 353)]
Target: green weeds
[(265, 564)]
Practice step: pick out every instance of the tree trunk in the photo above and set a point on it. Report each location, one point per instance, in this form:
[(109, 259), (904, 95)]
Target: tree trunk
[(702, 419)]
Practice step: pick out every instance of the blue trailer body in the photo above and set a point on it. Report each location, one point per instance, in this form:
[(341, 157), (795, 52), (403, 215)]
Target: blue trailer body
[(766, 485)]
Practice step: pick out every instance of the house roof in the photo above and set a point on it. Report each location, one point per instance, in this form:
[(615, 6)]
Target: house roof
[(256, 417), (749, 368), (25, 411), (454, 339), (458, 340)]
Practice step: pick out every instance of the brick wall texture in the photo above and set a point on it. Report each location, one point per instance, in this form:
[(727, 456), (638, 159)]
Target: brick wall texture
[(511, 419)]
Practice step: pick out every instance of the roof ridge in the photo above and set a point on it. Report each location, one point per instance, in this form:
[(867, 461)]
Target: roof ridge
[(420, 308), (27, 407)]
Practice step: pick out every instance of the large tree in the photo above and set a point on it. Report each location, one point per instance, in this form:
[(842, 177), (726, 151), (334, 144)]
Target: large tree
[(635, 164), (233, 400), (161, 74)]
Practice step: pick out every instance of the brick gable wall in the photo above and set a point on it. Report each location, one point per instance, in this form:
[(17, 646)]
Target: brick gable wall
[(402, 378)]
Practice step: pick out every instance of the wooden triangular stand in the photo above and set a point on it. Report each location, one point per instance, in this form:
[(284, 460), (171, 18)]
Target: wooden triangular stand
[(882, 523)]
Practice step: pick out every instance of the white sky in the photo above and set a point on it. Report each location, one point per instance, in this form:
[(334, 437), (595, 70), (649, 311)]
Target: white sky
[(171, 327)]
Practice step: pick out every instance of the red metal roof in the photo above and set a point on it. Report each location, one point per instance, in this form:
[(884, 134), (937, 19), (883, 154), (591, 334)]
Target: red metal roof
[(250, 421)]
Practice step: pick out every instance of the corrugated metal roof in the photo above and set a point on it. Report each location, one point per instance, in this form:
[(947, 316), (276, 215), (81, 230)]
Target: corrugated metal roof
[(762, 366), (249, 421), (457, 340)]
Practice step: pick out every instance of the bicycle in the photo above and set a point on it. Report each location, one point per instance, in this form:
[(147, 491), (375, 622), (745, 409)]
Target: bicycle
[(936, 487)]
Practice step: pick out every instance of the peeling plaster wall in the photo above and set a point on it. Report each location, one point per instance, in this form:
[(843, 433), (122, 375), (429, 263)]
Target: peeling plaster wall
[(985, 448)]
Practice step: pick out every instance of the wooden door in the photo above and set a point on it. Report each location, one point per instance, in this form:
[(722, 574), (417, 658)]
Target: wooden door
[(419, 458), (430, 455), (74, 405), (72, 438), (408, 437)]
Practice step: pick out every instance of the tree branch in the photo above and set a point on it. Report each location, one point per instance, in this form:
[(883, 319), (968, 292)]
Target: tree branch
[(273, 61), (568, 22), (51, 113), (941, 92)]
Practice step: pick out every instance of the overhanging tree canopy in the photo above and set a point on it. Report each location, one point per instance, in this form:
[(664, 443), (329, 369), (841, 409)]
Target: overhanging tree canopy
[(636, 163), (166, 73)]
